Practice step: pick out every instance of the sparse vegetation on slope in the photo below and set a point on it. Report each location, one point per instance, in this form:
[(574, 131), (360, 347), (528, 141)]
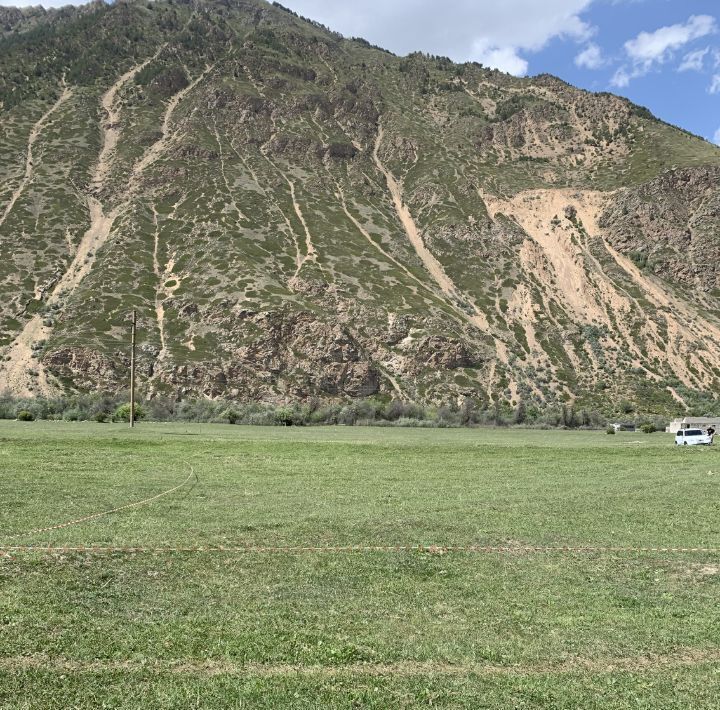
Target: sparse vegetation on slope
[(295, 215)]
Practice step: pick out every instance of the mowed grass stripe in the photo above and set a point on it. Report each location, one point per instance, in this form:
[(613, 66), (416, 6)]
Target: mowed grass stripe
[(685, 657)]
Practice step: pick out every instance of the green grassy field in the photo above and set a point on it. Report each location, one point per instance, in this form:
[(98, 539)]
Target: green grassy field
[(518, 629)]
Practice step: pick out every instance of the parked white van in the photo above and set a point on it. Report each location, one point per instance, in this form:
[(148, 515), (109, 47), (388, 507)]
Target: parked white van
[(692, 437)]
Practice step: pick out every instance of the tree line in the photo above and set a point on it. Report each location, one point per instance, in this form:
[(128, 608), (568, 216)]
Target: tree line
[(372, 411)]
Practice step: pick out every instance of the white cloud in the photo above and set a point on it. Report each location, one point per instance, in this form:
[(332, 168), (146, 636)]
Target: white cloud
[(498, 34), (716, 137), (694, 61), (505, 59), (653, 48), (714, 87), (591, 57), (621, 78), (657, 46)]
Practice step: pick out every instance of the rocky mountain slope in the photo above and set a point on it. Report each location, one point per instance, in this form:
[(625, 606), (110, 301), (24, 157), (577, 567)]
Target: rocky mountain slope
[(294, 215)]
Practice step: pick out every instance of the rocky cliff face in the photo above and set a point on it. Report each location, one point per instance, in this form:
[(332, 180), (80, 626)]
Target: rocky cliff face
[(670, 227), (297, 215)]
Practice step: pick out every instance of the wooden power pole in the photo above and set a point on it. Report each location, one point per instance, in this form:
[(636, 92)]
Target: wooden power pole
[(132, 370)]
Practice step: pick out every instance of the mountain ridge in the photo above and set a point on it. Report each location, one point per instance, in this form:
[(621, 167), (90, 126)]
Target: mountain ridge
[(295, 215)]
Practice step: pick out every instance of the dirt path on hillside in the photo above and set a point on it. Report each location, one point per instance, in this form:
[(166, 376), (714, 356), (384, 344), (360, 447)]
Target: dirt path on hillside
[(534, 212), (477, 318), (111, 127), (704, 328), (538, 268), (363, 231), (166, 274), (163, 291), (160, 146), (167, 281), (29, 159), (241, 216), (18, 361), (521, 306), (576, 279), (300, 258), (272, 202), (159, 307), (16, 372), (310, 252), (101, 224), (687, 328), (340, 195), (432, 265)]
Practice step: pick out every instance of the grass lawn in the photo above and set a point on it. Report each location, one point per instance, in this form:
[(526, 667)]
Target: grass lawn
[(357, 629)]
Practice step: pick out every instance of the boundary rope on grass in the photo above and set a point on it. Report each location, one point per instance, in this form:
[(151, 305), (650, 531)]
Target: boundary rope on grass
[(94, 516), (348, 549), (7, 550)]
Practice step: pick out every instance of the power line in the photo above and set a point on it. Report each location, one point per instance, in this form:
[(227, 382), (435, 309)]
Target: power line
[(132, 369)]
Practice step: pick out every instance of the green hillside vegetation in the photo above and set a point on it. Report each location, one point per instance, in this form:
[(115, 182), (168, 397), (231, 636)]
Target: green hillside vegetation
[(298, 215)]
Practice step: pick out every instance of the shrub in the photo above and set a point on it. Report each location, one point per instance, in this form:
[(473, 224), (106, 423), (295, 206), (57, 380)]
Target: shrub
[(285, 416), (347, 416), (101, 417), (122, 413), (231, 415), (198, 410), (411, 422), (24, 416), (626, 407), (520, 413), (161, 409), (261, 419), (648, 428), (610, 430), (326, 415)]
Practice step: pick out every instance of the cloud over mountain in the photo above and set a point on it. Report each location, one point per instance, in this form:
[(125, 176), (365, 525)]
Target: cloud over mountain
[(650, 49), (499, 35)]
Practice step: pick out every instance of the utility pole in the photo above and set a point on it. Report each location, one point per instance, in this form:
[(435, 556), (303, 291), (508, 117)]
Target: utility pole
[(132, 370)]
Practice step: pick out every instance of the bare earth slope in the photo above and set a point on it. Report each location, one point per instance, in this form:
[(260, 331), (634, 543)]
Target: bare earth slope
[(295, 215)]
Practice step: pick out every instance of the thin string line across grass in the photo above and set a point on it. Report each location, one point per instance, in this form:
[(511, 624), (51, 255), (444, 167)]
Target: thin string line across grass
[(95, 516), (353, 549)]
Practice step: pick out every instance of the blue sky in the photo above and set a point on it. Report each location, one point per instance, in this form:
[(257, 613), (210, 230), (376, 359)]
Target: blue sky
[(663, 54), (680, 83)]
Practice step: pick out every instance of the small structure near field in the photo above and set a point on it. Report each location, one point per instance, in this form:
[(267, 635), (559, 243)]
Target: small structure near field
[(693, 423), (623, 426)]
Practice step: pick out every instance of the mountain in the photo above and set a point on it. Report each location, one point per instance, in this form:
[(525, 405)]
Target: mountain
[(297, 215)]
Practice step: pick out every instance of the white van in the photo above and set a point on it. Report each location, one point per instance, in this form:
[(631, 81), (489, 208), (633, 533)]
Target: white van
[(692, 437)]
